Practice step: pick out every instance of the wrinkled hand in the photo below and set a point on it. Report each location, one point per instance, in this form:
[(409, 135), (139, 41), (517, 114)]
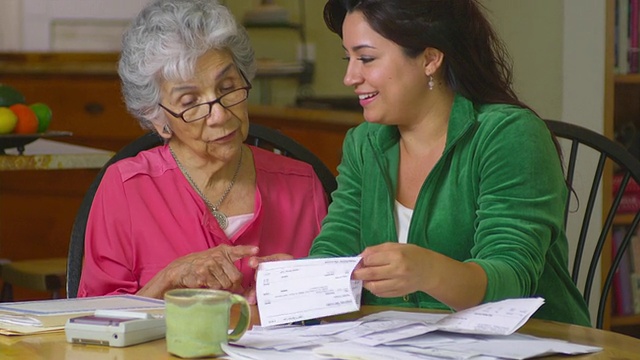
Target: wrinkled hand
[(250, 294), (212, 268), (393, 269)]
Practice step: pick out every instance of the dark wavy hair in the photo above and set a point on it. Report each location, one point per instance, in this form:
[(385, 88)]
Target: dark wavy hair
[(476, 63)]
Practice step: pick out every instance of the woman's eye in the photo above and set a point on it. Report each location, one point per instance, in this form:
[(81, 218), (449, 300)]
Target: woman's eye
[(366, 59), (346, 58), (226, 89), (185, 103)]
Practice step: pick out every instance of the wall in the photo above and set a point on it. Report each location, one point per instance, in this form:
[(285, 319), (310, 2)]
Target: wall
[(38, 16), (10, 25), (527, 28), (583, 92), (532, 31)]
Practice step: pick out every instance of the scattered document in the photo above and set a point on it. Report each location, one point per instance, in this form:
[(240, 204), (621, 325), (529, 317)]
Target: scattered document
[(296, 290), (495, 318), (480, 333), (28, 317)]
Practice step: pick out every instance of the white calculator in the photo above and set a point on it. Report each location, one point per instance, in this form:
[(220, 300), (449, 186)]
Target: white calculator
[(115, 328)]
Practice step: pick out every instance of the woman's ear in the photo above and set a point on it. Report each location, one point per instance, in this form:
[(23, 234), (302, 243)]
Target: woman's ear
[(432, 60), (164, 130)]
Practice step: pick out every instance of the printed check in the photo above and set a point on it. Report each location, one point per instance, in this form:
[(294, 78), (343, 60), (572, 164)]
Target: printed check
[(296, 290)]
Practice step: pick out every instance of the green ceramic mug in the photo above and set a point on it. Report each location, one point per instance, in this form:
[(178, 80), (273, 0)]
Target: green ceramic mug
[(198, 321)]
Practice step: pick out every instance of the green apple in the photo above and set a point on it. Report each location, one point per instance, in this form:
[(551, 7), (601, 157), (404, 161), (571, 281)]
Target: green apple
[(8, 120), (43, 113)]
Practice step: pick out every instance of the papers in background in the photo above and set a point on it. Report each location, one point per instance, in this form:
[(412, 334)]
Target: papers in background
[(483, 332), (295, 290), (28, 317)]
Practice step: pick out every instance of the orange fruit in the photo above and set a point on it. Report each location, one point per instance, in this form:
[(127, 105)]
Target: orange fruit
[(27, 119)]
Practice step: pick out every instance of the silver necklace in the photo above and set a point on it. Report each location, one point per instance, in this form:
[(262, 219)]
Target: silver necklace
[(219, 215)]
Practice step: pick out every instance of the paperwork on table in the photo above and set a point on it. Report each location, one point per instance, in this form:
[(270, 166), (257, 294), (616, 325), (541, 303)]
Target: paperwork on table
[(483, 332), (30, 317)]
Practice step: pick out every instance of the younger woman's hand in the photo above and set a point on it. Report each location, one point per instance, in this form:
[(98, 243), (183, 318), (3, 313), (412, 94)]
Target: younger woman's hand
[(254, 261), (393, 269)]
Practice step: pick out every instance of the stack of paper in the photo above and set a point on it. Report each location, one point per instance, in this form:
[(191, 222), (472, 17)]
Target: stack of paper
[(483, 332), (30, 317)]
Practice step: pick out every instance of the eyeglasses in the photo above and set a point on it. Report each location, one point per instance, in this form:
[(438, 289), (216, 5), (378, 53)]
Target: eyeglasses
[(201, 111)]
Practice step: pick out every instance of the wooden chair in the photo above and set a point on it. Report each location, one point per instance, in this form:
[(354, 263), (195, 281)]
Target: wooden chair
[(259, 135), (45, 275), (584, 142)]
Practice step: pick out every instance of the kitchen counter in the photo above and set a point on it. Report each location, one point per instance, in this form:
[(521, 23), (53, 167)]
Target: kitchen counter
[(44, 154)]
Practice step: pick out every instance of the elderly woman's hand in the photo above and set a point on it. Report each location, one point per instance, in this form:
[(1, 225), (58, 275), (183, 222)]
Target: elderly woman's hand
[(213, 268)]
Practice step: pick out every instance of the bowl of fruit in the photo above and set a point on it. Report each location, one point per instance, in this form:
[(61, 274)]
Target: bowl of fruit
[(22, 123)]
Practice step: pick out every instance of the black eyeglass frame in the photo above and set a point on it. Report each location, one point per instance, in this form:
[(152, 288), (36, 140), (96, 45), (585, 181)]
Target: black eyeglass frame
[(180, 115)]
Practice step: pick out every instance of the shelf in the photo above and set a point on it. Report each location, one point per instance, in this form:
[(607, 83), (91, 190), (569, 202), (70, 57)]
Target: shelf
[(623, 219), (625, 320), (627, 79)]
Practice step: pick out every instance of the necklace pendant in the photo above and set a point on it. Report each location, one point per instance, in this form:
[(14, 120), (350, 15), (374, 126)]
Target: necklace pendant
[(221, 218)]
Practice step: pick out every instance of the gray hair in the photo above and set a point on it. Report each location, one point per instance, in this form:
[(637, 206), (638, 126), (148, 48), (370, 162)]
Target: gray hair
[(164, 42)]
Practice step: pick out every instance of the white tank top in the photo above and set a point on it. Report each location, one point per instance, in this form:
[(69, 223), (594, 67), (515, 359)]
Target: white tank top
[(403, 219)]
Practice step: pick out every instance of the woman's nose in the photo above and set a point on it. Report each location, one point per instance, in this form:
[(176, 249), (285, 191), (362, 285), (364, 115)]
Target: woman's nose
[(218, 114), (352, 76)]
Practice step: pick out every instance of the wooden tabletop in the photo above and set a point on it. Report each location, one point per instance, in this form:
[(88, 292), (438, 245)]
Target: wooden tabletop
[(54, 346)]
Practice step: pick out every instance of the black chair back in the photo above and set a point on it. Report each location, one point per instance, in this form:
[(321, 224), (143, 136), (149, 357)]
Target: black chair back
[(608, 153)]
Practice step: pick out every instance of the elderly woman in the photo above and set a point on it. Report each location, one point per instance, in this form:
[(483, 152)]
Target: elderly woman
[(193, 212)]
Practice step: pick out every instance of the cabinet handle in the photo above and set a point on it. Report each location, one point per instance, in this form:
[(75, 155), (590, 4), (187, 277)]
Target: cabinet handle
[(94, 108)]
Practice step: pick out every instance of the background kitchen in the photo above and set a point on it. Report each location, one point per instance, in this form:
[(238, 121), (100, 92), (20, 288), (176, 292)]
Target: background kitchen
[(63, 52)]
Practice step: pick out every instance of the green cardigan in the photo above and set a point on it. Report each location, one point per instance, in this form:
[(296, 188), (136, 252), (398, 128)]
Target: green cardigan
[(496, 197)]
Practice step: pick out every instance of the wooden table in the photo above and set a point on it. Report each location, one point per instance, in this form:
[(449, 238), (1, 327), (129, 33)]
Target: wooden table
[(54, 346)]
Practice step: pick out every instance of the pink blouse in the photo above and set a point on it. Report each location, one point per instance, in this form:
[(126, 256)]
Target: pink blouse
[(146, 214)]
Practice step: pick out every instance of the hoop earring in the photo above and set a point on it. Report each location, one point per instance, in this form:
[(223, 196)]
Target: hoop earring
[(166, 129), (431, 83)]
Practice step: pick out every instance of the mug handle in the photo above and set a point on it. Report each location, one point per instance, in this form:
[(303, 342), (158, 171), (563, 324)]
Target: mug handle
[(243, 321)]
